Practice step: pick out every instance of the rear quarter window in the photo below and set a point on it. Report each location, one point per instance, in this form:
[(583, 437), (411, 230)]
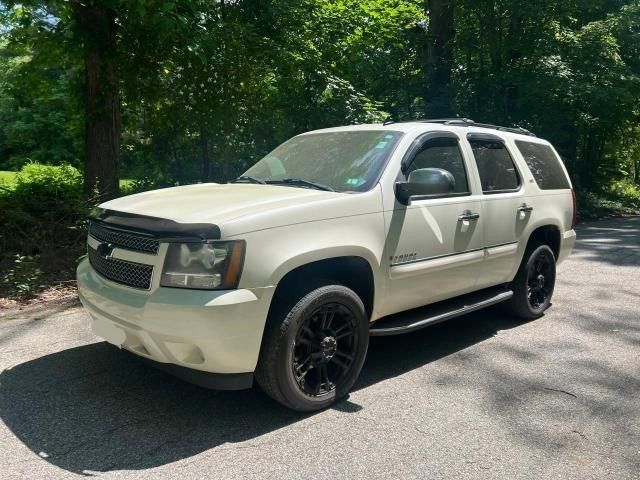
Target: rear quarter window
[(544, 165)]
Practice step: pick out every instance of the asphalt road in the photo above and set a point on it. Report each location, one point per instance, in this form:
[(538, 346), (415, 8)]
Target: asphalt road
[(480, 397)]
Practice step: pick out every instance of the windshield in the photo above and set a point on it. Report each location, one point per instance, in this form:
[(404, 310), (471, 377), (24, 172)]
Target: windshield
[(343, 161)]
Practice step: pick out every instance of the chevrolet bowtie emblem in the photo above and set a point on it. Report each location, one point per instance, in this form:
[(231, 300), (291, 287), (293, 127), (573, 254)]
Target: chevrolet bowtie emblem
[(105, 250)]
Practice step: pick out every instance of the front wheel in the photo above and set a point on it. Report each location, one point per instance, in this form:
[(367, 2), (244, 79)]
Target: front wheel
[(313, 353), (534, 283)]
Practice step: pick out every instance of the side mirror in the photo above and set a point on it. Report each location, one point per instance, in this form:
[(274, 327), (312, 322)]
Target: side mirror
[(425, 183)]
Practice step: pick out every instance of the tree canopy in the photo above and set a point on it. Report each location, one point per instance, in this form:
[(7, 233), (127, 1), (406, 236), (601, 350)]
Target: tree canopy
[(179, 91)]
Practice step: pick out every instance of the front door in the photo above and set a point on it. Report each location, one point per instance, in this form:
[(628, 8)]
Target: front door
[(434, 245)]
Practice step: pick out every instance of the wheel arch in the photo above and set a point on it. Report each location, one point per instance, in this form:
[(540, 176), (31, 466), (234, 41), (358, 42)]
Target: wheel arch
[(303, 273), (548, 234)]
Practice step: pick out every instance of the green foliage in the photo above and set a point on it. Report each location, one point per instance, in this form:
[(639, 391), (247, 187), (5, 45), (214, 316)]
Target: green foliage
[(594, 205), (23, 276), (41, 214), (251, 74), (40, 113), (207, 88), (42, 200), (627, 193), (7, 178), (567, 70), (48, 193), (34, 176), (143, 184)]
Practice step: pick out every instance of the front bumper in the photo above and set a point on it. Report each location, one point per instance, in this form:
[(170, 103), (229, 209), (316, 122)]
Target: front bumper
[(218, 332)]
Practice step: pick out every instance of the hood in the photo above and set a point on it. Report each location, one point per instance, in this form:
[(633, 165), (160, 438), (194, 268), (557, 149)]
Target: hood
[(216, 203)]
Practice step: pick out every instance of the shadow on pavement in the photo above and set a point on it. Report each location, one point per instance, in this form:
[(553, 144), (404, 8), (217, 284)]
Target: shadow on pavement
[(615, 241), (92, 408)]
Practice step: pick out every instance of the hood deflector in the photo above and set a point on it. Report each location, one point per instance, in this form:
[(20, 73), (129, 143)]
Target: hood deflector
[(161, 229)]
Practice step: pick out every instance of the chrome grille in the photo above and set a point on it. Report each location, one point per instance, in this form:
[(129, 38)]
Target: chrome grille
[(136, 275), (126, 240)]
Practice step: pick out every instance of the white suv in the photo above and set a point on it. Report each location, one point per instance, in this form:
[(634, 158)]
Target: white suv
[(336, 235)]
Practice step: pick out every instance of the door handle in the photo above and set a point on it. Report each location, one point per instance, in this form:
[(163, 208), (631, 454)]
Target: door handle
[(525, 208), (468, 215)]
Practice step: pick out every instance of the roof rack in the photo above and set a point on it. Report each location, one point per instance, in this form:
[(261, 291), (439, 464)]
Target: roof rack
[(466, 122)]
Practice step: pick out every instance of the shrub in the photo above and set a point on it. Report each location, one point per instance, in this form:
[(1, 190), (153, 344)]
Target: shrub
[(42, 232), (144, 184), (45, 189), (627, 193), (592, 206), (23, 276)]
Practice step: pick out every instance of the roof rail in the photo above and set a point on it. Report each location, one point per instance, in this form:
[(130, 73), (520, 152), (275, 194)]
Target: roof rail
[(447, 121), (467, 122)]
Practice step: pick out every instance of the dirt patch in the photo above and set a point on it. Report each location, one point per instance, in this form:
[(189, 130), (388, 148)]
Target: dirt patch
[(61, 295)]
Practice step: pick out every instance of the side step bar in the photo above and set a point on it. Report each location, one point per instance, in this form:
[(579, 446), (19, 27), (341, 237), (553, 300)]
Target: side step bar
[(411, 320)]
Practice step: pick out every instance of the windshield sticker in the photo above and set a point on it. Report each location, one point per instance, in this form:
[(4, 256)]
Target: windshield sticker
[(354, 182), (381, 144)]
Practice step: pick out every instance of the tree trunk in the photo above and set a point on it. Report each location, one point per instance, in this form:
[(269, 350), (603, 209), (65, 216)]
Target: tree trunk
[(636, 165), (590, 158), (439, 58), (102, 99), (206, 160)]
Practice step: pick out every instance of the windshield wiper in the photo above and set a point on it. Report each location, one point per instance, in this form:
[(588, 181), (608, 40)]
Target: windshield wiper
[(306, 183), (246, 178)]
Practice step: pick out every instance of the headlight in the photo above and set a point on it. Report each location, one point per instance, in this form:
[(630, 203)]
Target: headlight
[(203, 266)]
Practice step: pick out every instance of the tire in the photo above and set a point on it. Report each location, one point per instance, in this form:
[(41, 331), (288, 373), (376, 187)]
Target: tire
[(312, 353), (534, 283)]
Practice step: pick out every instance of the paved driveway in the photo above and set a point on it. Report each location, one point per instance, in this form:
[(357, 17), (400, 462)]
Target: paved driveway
[(481, 397)]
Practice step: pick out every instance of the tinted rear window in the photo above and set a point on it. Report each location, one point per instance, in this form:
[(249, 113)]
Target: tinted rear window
[(544, 165)]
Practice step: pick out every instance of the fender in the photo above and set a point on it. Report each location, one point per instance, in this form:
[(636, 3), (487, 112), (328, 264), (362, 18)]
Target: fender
[(311, 256), (526, 236)]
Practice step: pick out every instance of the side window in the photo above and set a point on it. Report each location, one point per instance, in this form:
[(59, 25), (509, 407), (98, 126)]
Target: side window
[(544, 165), (498, 173), (442, 153)]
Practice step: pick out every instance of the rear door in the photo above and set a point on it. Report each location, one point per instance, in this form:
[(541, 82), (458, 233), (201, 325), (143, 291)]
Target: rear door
[(504, 206)]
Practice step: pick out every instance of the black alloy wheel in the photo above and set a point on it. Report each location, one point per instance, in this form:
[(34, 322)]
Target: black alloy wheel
[(324, 349), (534, 283), (540, 280), (313, 348)]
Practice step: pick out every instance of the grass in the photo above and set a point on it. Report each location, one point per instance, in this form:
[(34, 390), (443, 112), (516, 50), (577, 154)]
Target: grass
[(7, 178)]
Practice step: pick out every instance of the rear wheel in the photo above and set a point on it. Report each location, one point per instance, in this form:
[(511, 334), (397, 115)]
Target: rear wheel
[(312, 354), (534, 283)]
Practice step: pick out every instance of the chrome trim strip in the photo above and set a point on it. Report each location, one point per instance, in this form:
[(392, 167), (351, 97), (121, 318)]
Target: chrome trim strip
[(501, 250), (501, 245), (131, 256), (435, 257), (412, 269)]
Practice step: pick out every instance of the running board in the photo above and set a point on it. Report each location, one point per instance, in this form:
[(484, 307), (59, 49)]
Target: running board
[(405, 322)]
